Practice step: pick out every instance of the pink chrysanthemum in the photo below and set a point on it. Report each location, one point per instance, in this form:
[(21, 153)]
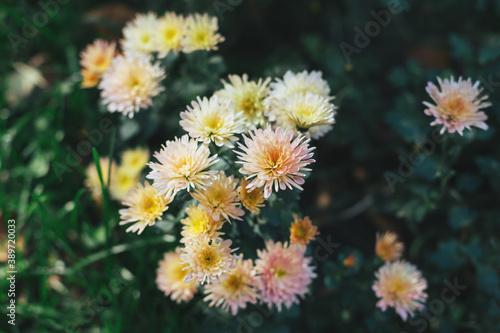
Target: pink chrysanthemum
[(207, 260), (182, 165), (221, 198), (282, 274), (236, 291), (170, 278), (274, 158), (400, 285), (457, 105), (130, 84)]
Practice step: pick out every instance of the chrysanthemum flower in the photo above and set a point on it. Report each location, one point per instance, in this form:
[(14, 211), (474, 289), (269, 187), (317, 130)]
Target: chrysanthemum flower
[(139, 34), (199, 222), (121, 182), (207, 260), (182, 165), (170, 278), (134, 160), (93, 181), (457, 105), (201, 33), (304, 111), (220, 198), (213, 120), (253, 200), (130, 83), (236, 291), (145, 206), (97, 57), (302, 231), (248, 97), (282, 274), (300, 83), (89, 79), (274, 158), (400, 285), (169, 34), (388, 247)]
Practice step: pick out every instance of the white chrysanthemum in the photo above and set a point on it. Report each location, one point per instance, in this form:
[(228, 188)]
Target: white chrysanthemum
[(207, 260), (213, 120), (131, 83), (303, 112), (201, 33), (169, 34), (457, 105), (139, 34), (182, 165), (300, 83), (248, 97)]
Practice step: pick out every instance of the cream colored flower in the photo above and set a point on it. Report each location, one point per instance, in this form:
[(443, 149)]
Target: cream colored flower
[(201, 33), (121, 182), (138, 34), (236, 291), (220, 198), (170, 278), (248, 97), (207, 260), (199, 222), (135, 160), (131, 83), (169, 34), (457, 105), (93, 181), (213, 120), (388, 247), (144, 207), (182, 165), (97, 57)]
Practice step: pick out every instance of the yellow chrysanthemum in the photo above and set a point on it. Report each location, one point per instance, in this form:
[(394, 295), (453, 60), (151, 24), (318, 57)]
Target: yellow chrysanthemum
[(251, 200), (388, 247), (169, 34), (170, 278), (121, 182), (199, 222), (213, 120), (97, 57), (134, 161), (145, 206), (248, 97), (139, 34), (201, 33), (236, 291), (207, 260), (93, 182), (302, 231), (220, 198)]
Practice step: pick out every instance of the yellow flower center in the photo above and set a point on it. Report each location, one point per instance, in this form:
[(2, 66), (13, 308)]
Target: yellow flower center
[(171, 34), (233, 283), (248, 106), (201, 37), (146, 38), (149, 204), (455, 106), (280, 273), (208, 258)]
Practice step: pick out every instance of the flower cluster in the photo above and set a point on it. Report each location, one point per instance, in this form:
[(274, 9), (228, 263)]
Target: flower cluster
[(399, 284), (130, 80)]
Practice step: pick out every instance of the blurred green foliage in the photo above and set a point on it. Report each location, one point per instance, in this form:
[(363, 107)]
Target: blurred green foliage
[(79, 272)]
